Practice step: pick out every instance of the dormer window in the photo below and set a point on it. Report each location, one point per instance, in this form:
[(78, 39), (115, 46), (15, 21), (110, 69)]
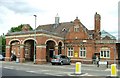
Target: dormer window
[(76, 28), (63, 29)]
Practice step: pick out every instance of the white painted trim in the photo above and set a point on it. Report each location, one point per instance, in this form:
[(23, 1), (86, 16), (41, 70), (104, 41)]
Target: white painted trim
[(40, 59), (29, 39), (51, 40), (41, 46), (61, 42), (73, 52), (32, 35), (82, 51), (21, 47), (7, 46), (105, 49), (14, 40)]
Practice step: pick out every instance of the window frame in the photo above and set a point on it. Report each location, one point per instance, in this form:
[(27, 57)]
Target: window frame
[(76, 28), (83, 51), (106, 53), (71, 52)]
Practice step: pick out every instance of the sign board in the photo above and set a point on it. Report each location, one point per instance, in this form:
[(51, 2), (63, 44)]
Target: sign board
[(76, 54), (102, 62)]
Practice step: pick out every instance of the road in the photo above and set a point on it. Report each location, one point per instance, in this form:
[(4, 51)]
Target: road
[(30, 69)]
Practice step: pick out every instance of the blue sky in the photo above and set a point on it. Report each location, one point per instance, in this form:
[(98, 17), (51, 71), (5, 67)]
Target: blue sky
[(16, 12)]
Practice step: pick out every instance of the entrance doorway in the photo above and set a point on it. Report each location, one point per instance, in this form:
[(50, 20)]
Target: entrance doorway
[(50, 49), (29, 50), (51, 52), (14, 50), (59, 48)]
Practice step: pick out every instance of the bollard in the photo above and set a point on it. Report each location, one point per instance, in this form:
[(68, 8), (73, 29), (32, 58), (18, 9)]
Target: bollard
[(113, 70), (78, 68)]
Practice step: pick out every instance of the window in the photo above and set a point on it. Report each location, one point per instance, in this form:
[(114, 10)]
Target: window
[(76, 28), (63, 29), (70, 51), (105, 53), (82, 52)]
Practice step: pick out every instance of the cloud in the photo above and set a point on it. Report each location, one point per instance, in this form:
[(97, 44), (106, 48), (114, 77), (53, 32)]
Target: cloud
[(19, 6)]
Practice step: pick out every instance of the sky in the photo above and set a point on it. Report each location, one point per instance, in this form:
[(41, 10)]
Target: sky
[(16, 12)]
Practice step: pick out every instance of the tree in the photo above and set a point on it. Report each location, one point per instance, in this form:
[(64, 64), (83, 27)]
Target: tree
[(3, 43), (19, 28)]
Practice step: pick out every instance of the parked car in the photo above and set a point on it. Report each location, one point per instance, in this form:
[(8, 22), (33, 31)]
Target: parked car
[(2, 58), (60, 59)]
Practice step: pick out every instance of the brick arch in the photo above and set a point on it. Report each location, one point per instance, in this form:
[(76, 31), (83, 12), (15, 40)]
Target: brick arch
[(14, 40), (51, 40), (61, 42), (29, 39)]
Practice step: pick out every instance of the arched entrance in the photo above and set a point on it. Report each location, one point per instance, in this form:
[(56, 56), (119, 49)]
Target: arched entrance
[(14, 49), (29, 50), (60, 48), (50, 50)]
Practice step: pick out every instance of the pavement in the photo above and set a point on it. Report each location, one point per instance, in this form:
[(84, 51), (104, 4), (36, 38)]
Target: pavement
[(31, 63), (88, 69)]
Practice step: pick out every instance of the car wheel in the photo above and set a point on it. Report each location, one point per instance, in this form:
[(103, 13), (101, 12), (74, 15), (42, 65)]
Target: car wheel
[(53, 63), (61, 63), (69, 63)]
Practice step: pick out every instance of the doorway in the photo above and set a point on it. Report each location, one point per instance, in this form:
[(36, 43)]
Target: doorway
[(50, 49)]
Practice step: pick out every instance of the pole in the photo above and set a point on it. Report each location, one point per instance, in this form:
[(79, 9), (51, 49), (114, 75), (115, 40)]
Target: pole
[(114, 52), (114, 55), (35, 40)]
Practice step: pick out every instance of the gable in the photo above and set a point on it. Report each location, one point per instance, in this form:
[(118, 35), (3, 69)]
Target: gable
[(77, 32)]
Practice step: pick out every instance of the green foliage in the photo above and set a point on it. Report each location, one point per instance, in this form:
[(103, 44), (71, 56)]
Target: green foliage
[(19, 28), (0, 43), (3, 43)]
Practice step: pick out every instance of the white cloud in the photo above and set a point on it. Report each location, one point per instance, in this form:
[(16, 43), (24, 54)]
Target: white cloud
[(46, 10)]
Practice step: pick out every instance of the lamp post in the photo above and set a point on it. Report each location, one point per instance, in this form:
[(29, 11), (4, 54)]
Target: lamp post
[(114, 52), (35, 38)]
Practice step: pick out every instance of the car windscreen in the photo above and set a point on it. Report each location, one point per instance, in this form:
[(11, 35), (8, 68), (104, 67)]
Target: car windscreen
[(56, 56)]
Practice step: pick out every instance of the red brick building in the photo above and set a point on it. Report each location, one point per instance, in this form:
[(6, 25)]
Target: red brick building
[(69, 38)]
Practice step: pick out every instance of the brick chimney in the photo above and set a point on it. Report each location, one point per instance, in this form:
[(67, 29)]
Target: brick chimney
[(97, 23)]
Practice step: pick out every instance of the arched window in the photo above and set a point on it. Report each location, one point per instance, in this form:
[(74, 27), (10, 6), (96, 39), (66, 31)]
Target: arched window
[(59, 48)]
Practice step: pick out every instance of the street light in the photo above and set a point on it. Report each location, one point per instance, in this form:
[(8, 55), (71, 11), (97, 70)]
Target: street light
[(35, 38), (114, 53)]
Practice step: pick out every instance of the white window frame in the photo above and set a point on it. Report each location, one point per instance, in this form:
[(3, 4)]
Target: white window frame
[(71, 50), (82, 49), (76, 28), (105, 52)]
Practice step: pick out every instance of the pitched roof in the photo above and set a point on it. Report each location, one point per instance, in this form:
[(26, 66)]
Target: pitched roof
[(61, 29), (106, 35)]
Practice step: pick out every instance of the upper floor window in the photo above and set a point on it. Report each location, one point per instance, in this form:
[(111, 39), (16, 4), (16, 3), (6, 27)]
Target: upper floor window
[(76, 28), (63, 29)]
